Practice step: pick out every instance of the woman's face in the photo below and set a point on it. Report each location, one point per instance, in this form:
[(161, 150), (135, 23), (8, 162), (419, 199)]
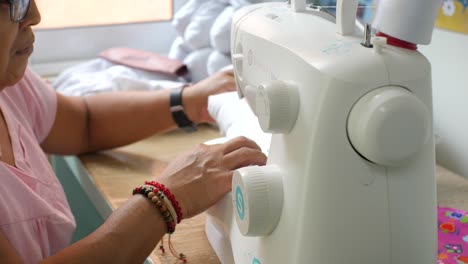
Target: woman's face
[(16, 43)]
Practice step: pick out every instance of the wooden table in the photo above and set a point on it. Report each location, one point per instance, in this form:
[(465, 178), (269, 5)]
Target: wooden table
[(116, 172)]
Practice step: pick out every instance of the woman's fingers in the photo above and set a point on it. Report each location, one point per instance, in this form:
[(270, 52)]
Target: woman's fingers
[(237, 143), (203, 175), (244, 157), (229, 72), (224, 183)]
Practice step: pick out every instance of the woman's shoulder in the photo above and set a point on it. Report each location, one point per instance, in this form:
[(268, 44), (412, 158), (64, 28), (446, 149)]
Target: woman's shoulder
[(33, 100), (35, 82), (29, 85)]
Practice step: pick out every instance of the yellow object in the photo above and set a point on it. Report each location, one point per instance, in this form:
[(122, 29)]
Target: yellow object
[(453, 15)]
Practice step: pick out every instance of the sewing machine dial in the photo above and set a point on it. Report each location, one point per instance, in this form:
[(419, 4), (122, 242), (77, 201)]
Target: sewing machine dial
[(257, 197), (276, 106), (389, 125)]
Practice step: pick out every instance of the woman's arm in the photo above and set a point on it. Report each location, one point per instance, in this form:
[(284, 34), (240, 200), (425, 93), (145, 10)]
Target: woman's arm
[(197, 179), (109, 120), (128, 236)]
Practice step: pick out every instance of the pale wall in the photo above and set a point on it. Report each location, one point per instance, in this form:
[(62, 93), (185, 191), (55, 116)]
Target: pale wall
[(448, 54)]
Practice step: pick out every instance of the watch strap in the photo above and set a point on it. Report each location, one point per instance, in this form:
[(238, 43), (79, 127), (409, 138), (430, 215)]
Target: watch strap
[(178, 111)]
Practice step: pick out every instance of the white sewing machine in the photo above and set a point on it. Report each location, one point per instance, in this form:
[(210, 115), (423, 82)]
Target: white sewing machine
[(350, 175)]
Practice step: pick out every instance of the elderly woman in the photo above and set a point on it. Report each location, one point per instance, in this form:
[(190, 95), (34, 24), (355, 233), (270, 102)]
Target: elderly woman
[(35, 220)]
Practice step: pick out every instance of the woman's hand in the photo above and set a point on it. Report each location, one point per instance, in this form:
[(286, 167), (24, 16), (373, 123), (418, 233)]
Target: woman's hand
[(195, 97), (202, 176)]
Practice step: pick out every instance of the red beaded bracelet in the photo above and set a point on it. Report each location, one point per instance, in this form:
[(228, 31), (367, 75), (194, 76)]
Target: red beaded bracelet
[(170, 196), (157, 196), (154, 195)]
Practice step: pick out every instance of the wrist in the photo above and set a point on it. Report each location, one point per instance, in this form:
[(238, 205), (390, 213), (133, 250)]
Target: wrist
[(144, 205), (193, 102), (157, 195), (179, 110), (159, 200), (170, 198)]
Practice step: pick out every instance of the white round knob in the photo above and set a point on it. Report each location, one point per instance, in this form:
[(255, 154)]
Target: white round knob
[(277, 104), (257, 198), (389, 125)]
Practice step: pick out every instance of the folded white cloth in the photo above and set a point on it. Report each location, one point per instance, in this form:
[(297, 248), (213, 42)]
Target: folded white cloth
[(217, 61), (196, 63), (99, 75), (220, 35), (235, 118), (197, 33), (184, 15), (203, 24), (239, 3), (179, 50), (128, 84)]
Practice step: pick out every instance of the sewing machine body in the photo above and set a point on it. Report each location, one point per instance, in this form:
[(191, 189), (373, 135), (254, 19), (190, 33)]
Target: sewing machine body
[(335, 206)]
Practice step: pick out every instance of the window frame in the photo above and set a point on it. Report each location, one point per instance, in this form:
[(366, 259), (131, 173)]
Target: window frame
[(61, 46)]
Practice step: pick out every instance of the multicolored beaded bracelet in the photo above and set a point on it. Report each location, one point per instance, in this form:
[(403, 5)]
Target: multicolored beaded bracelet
[(165, 206), (151, 193), (166, 202), (170, 196)]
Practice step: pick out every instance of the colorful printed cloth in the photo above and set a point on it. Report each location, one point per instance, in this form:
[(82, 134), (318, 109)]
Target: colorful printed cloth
[(453, 236)]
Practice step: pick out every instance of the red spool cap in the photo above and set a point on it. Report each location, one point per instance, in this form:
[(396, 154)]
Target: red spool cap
[(398, 42)]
